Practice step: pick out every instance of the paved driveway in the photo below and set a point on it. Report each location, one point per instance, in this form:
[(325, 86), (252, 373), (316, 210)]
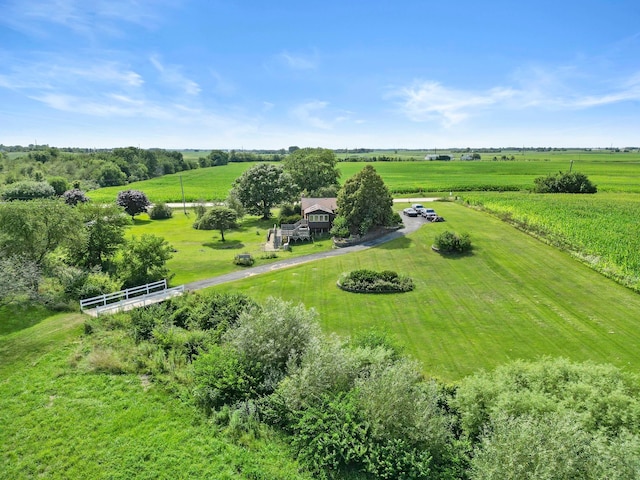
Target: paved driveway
[(411, 224)]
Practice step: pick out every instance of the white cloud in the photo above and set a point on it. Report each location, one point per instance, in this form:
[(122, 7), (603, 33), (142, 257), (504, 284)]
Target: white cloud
[(431, 100), (83, 17), (172, 75), (308, 114), (560, 89), (109, 72), (110, 105), (221, 85), (298, 62)]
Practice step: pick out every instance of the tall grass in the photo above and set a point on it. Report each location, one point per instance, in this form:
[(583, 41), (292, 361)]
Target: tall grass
[(60, 419)]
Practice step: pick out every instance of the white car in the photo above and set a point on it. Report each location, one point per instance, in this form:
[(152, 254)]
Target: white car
[(418, 208)]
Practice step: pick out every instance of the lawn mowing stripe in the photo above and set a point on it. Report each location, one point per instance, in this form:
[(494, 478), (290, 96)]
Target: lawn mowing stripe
[(514, 297)]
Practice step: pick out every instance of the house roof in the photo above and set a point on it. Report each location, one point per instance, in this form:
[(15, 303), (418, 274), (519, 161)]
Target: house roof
[(328, 204), (317, 208)]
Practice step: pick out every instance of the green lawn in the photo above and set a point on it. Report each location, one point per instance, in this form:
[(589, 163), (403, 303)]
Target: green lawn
[(201, 254), (60, 421), (514, 297)]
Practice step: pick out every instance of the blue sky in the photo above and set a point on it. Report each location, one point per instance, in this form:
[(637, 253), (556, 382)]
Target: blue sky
[(336, 74)]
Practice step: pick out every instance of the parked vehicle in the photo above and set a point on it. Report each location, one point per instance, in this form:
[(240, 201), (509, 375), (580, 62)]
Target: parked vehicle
[(410, 212), (429, 213), (418, 208)]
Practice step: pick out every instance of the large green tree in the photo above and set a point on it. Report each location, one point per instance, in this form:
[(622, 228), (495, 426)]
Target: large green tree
[(104, 228), (312, 169), (262, 187), (364, 202), (218, 218), (33, 229), (143, 260)]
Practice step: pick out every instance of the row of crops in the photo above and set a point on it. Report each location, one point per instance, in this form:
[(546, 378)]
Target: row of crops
[(602, 230)]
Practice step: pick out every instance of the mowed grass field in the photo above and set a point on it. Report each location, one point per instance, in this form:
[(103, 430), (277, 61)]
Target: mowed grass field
[(200, 254), (602, 230), (514, 297), (610, 172)]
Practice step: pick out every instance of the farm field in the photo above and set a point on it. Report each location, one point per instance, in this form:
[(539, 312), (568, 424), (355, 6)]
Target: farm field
[(602, 229), (514, 297), (60, 421), (610, 172)]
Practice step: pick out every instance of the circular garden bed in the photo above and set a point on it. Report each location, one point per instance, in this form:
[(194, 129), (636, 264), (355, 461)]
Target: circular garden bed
[(370, 281)]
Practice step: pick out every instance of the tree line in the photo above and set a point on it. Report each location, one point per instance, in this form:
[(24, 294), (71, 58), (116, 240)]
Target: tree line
[(54, 251), (104, 168)]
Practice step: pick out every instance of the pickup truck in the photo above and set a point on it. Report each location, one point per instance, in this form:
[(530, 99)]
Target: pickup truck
[(418, 208), (429, 213)]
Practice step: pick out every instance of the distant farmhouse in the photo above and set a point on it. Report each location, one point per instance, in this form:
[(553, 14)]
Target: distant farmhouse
[(446, 158)]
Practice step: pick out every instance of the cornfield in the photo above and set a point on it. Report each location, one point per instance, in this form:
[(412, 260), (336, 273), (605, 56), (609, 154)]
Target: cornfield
[(602, 230)]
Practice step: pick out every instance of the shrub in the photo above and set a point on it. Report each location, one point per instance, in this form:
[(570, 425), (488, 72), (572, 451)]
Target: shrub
[(209, 311), (244, 259), (289, 213), (160, 211), (564, 183), (449, 242), (369, 281), (27, 190), (200, 209), (222, 377), (274, 338), (144, 321), (331, 436), (340, 227), (97, 283), (290, 219), (59, 184), (74, 196)]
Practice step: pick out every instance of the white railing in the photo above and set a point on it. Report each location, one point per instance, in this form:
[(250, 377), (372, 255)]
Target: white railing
[(139, 301), (123, 295)]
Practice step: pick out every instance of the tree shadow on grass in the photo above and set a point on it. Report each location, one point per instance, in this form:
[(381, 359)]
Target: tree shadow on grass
[(139, 221), (453, 255), (227, 245), (18, 317), (396, 244)]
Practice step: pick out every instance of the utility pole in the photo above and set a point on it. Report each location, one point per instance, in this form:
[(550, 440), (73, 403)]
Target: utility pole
[(184, 205)]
